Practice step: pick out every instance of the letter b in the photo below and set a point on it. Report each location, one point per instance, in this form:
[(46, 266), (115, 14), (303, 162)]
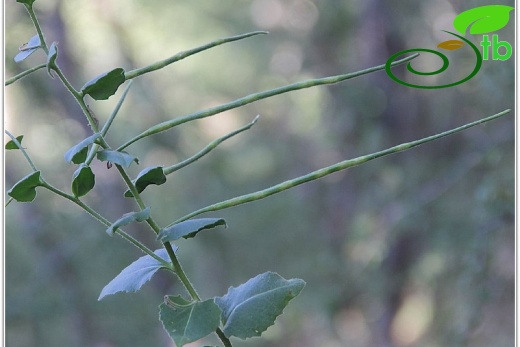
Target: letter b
[(496, 47)]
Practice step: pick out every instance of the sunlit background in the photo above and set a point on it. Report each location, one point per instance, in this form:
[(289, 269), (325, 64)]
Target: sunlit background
[(414, 249)]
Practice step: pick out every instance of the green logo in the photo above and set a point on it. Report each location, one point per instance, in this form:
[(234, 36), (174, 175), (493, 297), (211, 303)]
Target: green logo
[(479, 20)]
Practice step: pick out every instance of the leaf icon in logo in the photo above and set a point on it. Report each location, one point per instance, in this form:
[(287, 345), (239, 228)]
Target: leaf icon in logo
[(451, 45), (483, 19)]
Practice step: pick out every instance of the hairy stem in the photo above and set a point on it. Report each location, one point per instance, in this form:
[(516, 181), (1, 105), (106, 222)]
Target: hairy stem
[(23, 74), (255, 97), (179, 56), (329, 170)]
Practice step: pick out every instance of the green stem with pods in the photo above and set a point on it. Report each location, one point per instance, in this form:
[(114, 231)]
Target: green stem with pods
[(179, 56), (329, 170), (255, 97)]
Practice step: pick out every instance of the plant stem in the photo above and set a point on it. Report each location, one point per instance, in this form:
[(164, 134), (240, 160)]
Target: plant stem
[(169, 249), (255, 97), (16, 142), (113, 115), (179, 56), (104, 221), (223, 338), (23, 74), (38, 28), (329, 170), (212, 145)]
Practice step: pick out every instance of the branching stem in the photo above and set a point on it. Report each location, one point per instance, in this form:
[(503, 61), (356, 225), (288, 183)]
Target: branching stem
[(255, 97), (23, 74)]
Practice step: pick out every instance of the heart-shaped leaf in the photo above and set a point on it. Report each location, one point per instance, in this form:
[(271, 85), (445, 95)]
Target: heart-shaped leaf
[(128, 218), (132, 278), (189, 228), (11, 145), (105, 85), (83, 181), (25, 189), (51, 58), (150, 175), (483, 19), (451, 45), (120, 158), (28, 48), (78, 153), (252, 307), (187, 321)]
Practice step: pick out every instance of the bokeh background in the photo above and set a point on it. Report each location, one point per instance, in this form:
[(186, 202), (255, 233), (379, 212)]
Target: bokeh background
[(414, 249)]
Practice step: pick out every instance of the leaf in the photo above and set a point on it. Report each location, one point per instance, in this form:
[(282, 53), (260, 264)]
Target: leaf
[(187, 321), (189, 228), (150, 175), (25, 189), (120, 158), (51, 58), (105, 85), (28, 48), (27, 2), (451, 45), (128, 218), (132, 278), (252, 307), (78, 153), (483, 19), (11, 145), (83, 181)]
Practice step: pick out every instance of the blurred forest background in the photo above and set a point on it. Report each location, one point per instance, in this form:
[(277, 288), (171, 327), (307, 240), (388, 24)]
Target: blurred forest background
[(414, 249)]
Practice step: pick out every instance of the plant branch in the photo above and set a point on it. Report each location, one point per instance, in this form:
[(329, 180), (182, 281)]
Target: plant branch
[(23, 74), (329, 170), (104, 221), (79, 99), (17, 143), (255, 97), (179, 56), (177, 268), (212, 145), (38, 28), (113, 115), (223, 338)]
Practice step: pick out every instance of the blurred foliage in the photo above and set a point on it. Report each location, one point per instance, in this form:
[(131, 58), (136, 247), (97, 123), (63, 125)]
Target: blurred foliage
[(415, 249)]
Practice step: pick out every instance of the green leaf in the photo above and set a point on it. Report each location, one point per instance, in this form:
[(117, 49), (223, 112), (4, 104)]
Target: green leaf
[(25, 189), (105, 85), (28, 48), (187, 321), (132, 278), (120, 158), (483, 19), (78, 153), (11, 145), (83, 181), (252, 307), (150, 175), (51, 58), (128, 218), (189, 228), (27, 2)]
